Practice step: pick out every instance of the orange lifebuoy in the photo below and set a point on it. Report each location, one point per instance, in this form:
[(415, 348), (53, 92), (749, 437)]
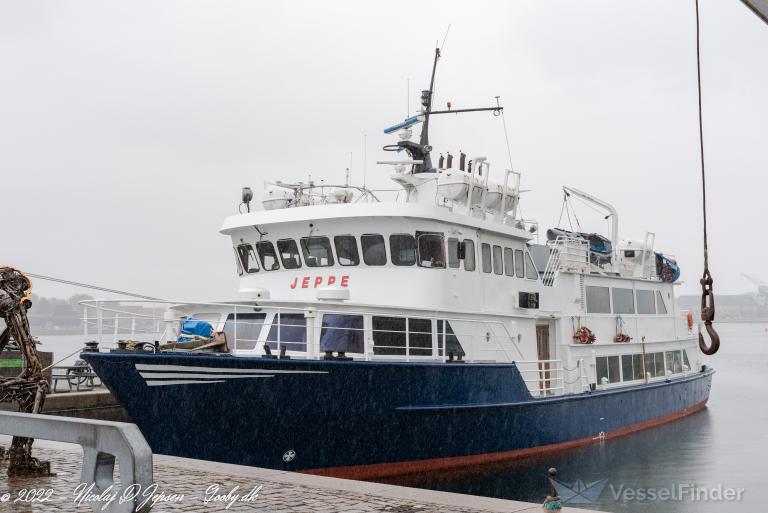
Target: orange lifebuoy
[(690, 321)]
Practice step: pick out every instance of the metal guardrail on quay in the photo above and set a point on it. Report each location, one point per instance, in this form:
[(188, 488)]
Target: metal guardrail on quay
[(103, 442)]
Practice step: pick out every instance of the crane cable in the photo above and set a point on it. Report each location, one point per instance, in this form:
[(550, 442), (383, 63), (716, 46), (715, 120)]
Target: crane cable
[(707, 293)]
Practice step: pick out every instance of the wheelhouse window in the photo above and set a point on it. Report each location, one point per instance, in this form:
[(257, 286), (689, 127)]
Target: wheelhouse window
[(623, 301), (661, 307), (402, 247), (469, 255), (268, 256), (289, 253), (519, 264), (342, 333), (453, 252), (498, 263), (346, 249), (242, 333), (485, 255), (247, 257), (317, 251), (509, 261), (431, 250), (598, 299), (530, 268), (238, 262), (646, 304), (290, 330), (374, 249)]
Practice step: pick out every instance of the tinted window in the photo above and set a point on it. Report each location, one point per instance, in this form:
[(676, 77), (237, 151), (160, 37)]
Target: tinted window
[(374, 252), (519, 264), (447, 339), (346, 249), (598, 299), (660, 306), (248, 260), (239, 262), (453, 252), (608, 367), (343, 333), (317, 251), (650, 365), (268, 256), (623, 301), (530, 269), (498, 264), (388, 335), (645, 302), (626, 367), (290, 330), (686, 363), (485, 250), (403, 249), (637, 366), (289, 253), (469, 255), (420, 337), (431, 252), (659, 357), (248, 326), (509, 265)]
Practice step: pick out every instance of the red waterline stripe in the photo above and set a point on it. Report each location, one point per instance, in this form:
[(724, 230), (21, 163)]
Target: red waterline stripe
[(378, 470)]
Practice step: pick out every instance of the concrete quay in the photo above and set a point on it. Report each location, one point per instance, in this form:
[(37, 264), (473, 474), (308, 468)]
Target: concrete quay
[(186, 485)]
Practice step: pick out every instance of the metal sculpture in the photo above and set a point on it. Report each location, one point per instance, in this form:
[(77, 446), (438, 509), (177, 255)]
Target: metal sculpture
[(29, 388)]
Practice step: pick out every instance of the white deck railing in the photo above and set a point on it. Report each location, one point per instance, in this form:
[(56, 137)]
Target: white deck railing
[(566, 254), (478, 341)]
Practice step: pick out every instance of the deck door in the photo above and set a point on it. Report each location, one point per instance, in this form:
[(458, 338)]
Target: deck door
[(543, 353)]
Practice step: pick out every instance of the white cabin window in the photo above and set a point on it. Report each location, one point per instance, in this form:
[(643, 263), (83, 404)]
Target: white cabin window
[(469, 255), (342, 333), (498, 260), (247, 258), (242, 333), (431, 250), (289, 253), (268, 256), (485, 255), (402, 248), (374, 249), (509, 261), (646, 304), (598, 299), (453, 252), (317, 251), (519, 264), (631, 367), (290, 330), (388, 335), (419, 337), (607, 367), (674, 362), (661, 308), (623, 301), (346, 249), (530, 268)]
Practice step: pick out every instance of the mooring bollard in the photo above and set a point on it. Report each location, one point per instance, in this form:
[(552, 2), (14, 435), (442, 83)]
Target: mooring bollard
[(552, 502), (103, 443)]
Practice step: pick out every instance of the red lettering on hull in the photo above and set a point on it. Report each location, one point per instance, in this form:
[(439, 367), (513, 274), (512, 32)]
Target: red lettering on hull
[(306, 282)]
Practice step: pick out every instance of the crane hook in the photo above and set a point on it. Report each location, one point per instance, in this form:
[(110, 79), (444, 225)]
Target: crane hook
[(708, 315)]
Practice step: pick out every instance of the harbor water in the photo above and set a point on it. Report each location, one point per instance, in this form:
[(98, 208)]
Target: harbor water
[(693, 462)]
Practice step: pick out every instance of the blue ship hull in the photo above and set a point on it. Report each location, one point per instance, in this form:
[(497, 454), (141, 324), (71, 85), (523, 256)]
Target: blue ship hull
[(368, 419)]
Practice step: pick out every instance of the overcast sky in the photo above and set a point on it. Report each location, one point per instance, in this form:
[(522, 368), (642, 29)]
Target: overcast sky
[(128, 128)]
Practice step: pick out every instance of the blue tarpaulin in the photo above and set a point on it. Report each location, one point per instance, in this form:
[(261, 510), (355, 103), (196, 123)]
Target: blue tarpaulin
[(667, 268), (195, 328)]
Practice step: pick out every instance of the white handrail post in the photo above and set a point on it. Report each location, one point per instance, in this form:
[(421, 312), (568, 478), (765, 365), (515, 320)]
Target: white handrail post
[(279, 335), (117, 321), (85, 322), (99, 319), (234, 334)]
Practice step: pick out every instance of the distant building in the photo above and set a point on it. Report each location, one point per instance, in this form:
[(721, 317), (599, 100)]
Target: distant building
[(736, 307)]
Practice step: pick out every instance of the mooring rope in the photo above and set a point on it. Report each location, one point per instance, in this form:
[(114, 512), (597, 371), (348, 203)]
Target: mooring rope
[(87, 286)]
